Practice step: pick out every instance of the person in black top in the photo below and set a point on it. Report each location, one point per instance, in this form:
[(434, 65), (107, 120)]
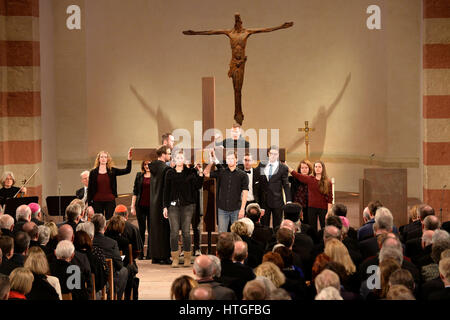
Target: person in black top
[(8, 190), (102, 187), (140, 202), (180, 187), (232, 190)]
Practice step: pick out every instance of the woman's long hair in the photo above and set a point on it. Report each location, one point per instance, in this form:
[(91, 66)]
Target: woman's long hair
[(324, 183), (109, 164)]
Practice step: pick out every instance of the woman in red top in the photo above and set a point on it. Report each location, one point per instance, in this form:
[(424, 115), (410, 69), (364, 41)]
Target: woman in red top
[(21, 281), (102, 187), (320, 196)]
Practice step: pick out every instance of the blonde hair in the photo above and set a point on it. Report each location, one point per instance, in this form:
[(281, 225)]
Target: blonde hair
[(271, 272), (36, 261), (414, 213), (240, 228), (338, 252), (53, 229), (109, 163), (5, 175), (21, 280)]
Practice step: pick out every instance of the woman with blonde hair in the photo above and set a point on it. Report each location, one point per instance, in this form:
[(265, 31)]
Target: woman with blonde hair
[(53, 241), (102, 187), (44, 287), (338, 252), (21, 280), (299, 190), (320, 195), (271, 272)]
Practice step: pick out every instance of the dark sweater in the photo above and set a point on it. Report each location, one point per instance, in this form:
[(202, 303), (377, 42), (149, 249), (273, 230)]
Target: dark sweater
[(181, 186)]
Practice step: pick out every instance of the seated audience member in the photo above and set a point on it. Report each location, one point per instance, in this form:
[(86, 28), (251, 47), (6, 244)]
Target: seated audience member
[(384, 222), (23, 215), (73, 216), (286, 237), (83, 245), (62, 268), (433, 285), (339, 269), (444, 273), (234, 275), (255, 290), (114, 230), (295, 283), (319, 265), (240, 252), (201, 292), (21, 246), (423, 258), (414, 246), (325, 279), (217, 268), (53, 241), (255, 249), (204, 271), (366, 231), (111, 250), (261, 233), (43, 238), (350, 242), (131, 232), (440, 242), (87, 227), (402, 277), (7, 249), (414, 223), (21, 281), (7, 225), (5, 287), (399, 292), (33, 231), (279, 294), (415, 231), (181, 287), (329, 293), (387, 267), (42, 289), (275, 258), (272, 272), (36, 214)]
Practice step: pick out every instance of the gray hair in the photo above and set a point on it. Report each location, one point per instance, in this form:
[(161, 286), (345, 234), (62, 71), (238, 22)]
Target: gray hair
[(431, 223), (250, 225), (267, 284), (440, 243), (383, 219), (392, 253), (217, 267), (64, 249), (87, 227), (5, 175), (204, 272), (6, 221), (366, 213), (329, 293), (440, 235), (44, 235), (331, 232), (83, 173), (327, 278), (23, 213)]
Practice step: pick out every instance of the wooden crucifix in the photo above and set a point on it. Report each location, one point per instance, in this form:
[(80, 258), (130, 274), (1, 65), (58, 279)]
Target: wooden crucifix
[(238, 40), (307, 130)]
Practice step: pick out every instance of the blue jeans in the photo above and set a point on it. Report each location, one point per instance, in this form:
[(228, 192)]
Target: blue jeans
[(225, 218)]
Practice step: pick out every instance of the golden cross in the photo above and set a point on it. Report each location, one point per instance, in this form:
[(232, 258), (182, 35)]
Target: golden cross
[(307, 130)]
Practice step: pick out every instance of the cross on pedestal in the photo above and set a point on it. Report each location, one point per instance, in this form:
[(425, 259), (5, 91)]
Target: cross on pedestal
[(307, 130)]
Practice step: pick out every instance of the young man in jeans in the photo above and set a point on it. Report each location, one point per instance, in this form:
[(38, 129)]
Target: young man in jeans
[(232, 190)]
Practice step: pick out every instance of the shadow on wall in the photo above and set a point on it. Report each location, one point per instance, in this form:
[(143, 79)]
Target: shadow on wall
[(320, 124), (163, 123)]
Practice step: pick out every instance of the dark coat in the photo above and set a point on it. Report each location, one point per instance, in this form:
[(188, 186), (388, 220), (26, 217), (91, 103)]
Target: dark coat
[(411, 231), (59, 269), (42, 289), (263, 235), (110, 249), (235, 276), (220, 292), (113, 173), (271, 192), (80, 193), (159, 226)]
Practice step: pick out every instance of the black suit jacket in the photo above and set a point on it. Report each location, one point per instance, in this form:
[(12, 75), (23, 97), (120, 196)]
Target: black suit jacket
[(411, 231), (42, 289), (369, 247), (271, 191), (80, 193), (256, 175), (113, 173), (220, 292), (110, 249), (59, 269), (263, 234), (235, 276)]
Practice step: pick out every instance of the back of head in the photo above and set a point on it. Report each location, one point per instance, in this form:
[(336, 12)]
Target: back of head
[(82, 241), (6, 221), (240, 228), (65, 232), (285, 237), (37, 261), (116, 224), (21, 242), (240, 251), (431, 222), (6, 245), (121, 210), (249, 224), (384, 220), (73, 211), (289, 224), (203, 267), (387, 267), (23, 213), (329, 293), (440, 243), (333, 220), (274, 257), (292, 211), (21, 280), (201, 292), (5, 286), (279, 294), (338, 252), (399, 292), (327, 278), (87, 227), (339, 210), (444, 269), (424, 211), (32, 229), (64, 250), (181, 287), (253, 213), (254, 290), (217, 267), (99, 222), (402, 277), (272, 272), (286, 255), (391, 253), (373, 207), (331, 232), (225, 246), (44, 235)]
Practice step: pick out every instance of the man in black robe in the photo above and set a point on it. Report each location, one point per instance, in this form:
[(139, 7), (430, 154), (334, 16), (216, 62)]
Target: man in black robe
[(159, 226)]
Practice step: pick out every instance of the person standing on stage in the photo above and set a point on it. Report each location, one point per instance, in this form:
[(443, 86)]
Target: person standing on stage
[(8, 190), (159, 227), (180, 187), (232, 190), (102, 186), (299, 190), (273, 181), (253, 180), (140, 203), (320, 195)]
